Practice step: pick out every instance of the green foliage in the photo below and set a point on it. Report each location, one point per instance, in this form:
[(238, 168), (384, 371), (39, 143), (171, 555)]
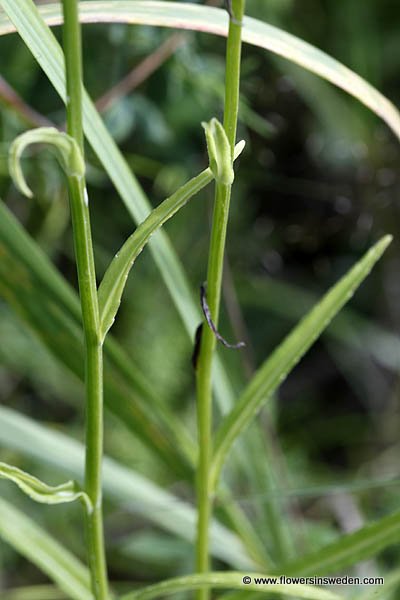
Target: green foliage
[(224, 581), (286, 356), (66, 149), (150, 425), (219, 152), (44, 551), (40, 491)]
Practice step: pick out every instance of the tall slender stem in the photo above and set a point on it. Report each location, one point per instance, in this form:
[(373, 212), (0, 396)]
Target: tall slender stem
[(89, 304), (214, 281)]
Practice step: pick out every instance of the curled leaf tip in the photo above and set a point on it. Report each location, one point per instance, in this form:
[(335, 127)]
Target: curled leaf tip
[(40, 491), (219, 152), (67, 152)]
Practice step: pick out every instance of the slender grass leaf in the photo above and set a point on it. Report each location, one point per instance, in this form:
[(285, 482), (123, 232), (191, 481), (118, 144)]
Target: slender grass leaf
[(44, 300), (130, 490), (113, 283), (40, 491), (349, 549), (45, 552), (213, 20), (289, 301), (34, 592), (227, 580), (271, 374)]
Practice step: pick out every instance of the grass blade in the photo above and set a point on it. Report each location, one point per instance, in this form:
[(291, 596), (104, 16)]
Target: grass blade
[(227, 580), (289, 302), (214, 20), (45, 552), (271, 374), (134, 492), (349, 549), (34, 592)]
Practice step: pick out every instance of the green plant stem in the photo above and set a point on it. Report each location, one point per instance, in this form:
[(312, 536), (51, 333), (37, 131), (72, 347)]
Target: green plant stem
[(214, 281), (90, 310)]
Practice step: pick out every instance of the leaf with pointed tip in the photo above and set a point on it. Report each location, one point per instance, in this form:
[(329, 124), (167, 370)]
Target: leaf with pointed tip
[(114, 280), (228, 580), (276, 368), (40, 491), (45, 552)]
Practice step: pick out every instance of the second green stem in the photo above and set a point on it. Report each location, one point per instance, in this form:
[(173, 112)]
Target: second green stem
[(214, 282)]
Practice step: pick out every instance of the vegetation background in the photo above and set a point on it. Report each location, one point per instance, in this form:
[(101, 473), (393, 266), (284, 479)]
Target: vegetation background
[(317, 184)]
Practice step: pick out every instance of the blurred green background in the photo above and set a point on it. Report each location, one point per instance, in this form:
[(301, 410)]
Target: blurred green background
[(317, 184)]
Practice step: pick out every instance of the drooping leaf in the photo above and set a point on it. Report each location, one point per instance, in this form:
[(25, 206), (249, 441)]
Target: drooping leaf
[(128, 489), (40, 491), (114, 280), (228, 580), (45, 552), (276, 368), (66, 148)]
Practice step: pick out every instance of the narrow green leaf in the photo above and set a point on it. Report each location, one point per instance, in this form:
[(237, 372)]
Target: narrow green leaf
[(67, 152), (228, 580), (45, 552), (213, 20), (349, 549), (34, 592), (271, 374), (289, 301), (219, 152), (127, 488), (40, 491), (113, 283)]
